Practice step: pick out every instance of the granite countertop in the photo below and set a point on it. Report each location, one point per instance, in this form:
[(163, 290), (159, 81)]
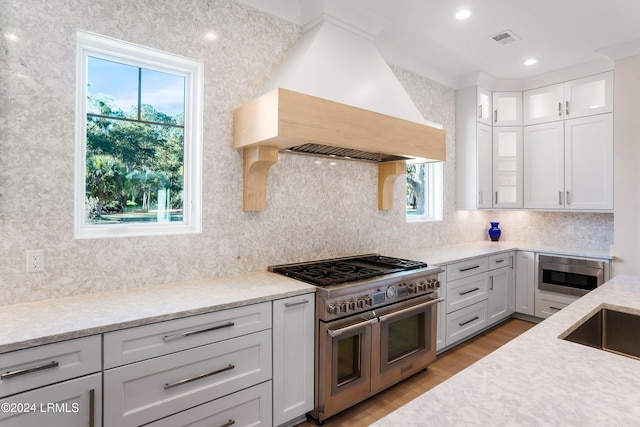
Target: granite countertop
[(43, 322), (538, 379)]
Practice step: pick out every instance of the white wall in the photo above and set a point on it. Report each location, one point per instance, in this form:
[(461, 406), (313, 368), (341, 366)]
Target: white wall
[(313, 211), (627, 166)]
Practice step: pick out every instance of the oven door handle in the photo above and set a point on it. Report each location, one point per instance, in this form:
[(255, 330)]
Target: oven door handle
[(397, 313), (336, 332)]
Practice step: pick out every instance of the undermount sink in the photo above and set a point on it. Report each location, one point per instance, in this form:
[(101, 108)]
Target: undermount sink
[(610, 330)]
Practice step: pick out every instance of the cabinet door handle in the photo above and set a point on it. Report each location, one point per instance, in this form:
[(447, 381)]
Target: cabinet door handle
[(559, 109), (229, 423), (491, 284), (168, 338), (568, 197), (92, 409), (468, 321), (293, 304), (495, 119), (560, 198), (496, 197), (469, 268), (469, 291), (11, 374), (480, 197), (198, 377), (480, 113), (567, 108)]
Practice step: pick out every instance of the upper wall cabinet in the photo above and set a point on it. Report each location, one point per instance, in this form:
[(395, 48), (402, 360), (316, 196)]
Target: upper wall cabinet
[(507, 108), (573, 99), (483, 100)]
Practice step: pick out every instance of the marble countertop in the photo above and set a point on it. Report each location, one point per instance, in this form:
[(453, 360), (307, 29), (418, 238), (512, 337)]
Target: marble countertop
[(539, 379), (43, 322), (447, 254)]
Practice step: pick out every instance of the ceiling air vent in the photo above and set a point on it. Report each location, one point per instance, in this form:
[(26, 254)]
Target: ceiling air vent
[(504, 38)]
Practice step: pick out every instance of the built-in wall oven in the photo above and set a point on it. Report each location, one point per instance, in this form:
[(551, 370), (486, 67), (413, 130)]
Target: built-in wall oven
[(371, 332), (570, 276)]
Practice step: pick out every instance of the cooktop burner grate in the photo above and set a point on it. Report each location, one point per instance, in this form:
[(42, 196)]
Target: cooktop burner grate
[(334, 271)]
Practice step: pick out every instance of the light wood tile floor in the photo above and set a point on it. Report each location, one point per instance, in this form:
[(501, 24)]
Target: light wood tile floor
[(446, 365)]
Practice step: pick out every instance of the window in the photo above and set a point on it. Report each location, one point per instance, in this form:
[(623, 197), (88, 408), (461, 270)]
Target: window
[(138, 140), (424, 192)]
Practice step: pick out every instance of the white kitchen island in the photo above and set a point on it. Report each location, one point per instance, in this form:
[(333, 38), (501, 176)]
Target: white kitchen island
[(539, 379)]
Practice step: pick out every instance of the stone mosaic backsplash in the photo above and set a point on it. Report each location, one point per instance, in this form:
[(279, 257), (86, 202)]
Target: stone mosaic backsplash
[(313, 210)]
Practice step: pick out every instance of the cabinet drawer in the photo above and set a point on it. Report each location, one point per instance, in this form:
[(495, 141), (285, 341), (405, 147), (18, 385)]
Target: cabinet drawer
[(73, 403), (467, 268), (158, 339), (500, 260), (39, 366), (146, 391), (250, 407), (466, 322), (467, 291)]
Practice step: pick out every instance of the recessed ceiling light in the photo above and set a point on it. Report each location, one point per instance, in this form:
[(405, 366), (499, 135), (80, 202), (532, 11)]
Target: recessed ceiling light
[(463, 14), (530, 61)]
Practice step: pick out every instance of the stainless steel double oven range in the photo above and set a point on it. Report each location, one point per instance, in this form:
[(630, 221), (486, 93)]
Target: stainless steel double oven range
[(375, 325)]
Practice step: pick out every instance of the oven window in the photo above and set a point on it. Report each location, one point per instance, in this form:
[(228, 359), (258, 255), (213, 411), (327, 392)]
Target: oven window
[(348, 360), (405, 336), (572, 280)]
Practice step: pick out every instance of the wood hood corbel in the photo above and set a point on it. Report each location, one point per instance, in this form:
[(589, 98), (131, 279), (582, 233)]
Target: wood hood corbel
[(286, 120)]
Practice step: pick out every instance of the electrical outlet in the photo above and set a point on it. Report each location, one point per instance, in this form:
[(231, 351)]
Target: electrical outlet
[(35, 261)]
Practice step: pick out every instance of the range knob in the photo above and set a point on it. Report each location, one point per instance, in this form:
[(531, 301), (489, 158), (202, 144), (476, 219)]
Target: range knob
[(412, 288), (367, 300), (359, 302), (433, 284), (351, 304), (422, 286), (332, 309), (344, 306)]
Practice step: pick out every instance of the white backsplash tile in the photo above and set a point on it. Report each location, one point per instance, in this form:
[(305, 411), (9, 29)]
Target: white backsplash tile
[(313, 210)]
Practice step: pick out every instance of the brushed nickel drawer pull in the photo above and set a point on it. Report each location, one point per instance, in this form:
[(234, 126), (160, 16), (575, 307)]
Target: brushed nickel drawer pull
[(469, 291), (227, 424), (498, 261), (11, 374), (293, 304), (469, 268), (198, 377), (168, 338), (554, 308), (468, 321)]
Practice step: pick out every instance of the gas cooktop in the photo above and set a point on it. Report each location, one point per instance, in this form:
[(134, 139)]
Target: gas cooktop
[(340, 270)]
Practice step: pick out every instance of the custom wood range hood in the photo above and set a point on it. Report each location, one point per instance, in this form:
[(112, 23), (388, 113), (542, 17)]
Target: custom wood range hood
[(314, 104)]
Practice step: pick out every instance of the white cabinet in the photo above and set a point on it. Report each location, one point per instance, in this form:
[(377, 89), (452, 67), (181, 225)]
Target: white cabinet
[(293, 357), (507, 108), (72, 403), (507, 167), (525, 282), (165, 368), (483, 102), (543, 160), (473, 149), (587, 96), (569, 165), (501, 289), (544, 104), (54, 385), (588, 147)]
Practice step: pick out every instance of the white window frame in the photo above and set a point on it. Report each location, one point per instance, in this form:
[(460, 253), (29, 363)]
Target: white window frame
[(434, 194), (90, 44)]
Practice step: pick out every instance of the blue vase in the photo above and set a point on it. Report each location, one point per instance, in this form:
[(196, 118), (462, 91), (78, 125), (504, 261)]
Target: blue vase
[(495, 232)]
